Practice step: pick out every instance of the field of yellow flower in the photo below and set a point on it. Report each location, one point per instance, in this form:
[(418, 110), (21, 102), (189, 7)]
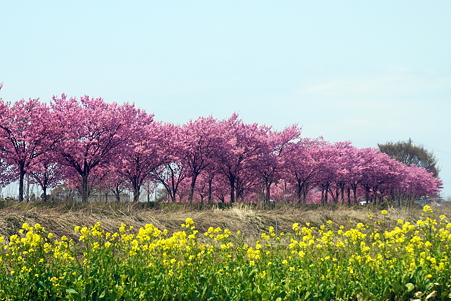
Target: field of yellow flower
[(354, 261)]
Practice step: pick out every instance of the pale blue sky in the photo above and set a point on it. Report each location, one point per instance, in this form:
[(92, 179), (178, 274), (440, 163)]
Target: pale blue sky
[(344, 70)]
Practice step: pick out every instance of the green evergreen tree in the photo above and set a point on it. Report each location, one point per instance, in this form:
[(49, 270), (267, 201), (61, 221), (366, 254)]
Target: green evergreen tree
[(409, 154)]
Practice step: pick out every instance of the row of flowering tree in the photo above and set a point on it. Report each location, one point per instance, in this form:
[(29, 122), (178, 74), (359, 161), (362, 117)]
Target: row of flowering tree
[(90, 144)]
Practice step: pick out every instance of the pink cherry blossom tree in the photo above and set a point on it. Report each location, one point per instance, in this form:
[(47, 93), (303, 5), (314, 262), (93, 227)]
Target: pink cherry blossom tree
[(94, 134), (90, 144), (269, 162), (113, 182), (172, 172), (418, 182), (243, 143), (145, 152), (27, 132), (47, 173), (377, 169), (201, 140), (301, 166)]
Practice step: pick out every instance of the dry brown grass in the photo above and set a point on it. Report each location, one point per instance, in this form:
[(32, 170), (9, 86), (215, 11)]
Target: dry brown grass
[(61, 218)]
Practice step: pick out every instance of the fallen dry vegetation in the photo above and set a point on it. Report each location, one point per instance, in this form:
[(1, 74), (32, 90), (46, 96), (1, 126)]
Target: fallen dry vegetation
[(252, 220)]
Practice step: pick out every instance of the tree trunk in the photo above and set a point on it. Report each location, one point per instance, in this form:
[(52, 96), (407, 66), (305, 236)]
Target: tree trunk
[(191, 191), (268, 191), (173, 196), (117, 194), (44, 194), (367, 194), (232, 189), (136, 193), (84, 188), (335, 194), (324, 194), (299, 192), (342, 193), (21, 181), (354, 191), (210, 190)]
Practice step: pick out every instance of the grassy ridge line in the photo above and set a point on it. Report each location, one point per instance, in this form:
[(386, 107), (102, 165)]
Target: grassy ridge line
[(252, 220)]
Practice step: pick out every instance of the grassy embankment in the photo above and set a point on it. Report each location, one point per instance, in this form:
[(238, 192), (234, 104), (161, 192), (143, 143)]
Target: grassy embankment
[(252, 220)]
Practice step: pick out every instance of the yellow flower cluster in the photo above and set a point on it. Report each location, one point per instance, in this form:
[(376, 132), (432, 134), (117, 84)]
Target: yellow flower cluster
[(368, 256)]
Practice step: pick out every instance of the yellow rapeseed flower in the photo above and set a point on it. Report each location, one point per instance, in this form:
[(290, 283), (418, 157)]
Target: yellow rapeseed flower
[(26, 226), (427, 208)]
